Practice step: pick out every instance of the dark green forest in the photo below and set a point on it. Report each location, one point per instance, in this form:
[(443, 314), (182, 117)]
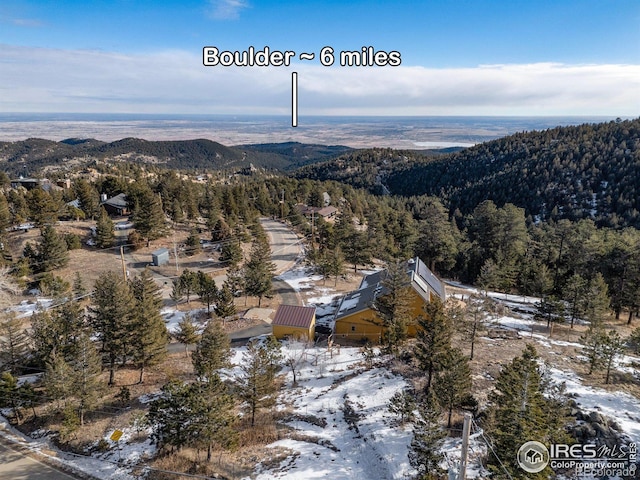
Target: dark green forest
[(591, 171)]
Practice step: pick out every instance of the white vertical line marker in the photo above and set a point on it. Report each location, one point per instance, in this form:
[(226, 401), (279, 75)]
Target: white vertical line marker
[(294, 99)]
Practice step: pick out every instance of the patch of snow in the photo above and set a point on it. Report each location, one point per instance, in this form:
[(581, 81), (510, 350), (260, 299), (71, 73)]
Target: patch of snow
[(299, 278)]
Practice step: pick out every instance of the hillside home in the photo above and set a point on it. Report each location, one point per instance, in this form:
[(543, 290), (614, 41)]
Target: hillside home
[(116, 205), (356, 317), (295, 322)]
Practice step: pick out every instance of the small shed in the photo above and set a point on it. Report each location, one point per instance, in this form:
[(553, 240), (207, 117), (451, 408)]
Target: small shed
[(294, 321), (160, 257)]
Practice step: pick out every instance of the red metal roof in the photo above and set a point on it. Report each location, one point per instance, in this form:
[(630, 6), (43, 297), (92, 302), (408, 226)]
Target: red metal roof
[(294, 316)]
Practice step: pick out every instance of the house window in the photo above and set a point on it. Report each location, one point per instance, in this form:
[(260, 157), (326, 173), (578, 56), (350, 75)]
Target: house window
[(353, 328)]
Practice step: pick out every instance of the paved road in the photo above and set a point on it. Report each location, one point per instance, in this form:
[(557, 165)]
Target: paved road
[(285, 244), (15, 465)]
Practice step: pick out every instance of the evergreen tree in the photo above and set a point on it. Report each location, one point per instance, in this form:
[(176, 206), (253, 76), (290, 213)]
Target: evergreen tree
[(433, 340), (403, 404), (255, 385), (13, 343), (192, 243), (593, 340), (231, 253), (5, 214), (225, 306), (105, 233), (612, 348), (207, 289), (185, 285), (52, 251), (452, 385), (212, 351), (474, 315), (9, 394), (236, 280), (44, 209), (428, 436), (436, 245), (187, 334), (88, 197), (58, 380), (86, 368), (170, 416), (573, 293), (596, 300), (79, 291), (150, 336), (393, 306), (148, 216), (357, 250), (112, 317), (521, 412), (213, 418), (259, 270)]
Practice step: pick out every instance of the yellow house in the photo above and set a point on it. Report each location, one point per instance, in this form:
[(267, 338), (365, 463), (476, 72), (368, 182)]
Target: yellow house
[(294, 321), (356, 318)]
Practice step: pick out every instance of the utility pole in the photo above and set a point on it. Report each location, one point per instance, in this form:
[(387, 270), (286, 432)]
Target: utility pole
[(124, 265), (282, 205), (466, 428)]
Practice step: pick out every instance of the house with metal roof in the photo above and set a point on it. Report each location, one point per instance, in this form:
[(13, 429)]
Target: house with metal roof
[(295, 322), (356, 317), (116, 205)]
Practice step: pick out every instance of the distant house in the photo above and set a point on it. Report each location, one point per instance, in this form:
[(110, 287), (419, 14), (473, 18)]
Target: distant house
[(116, 205), (294, 321), (356, 317), (31, 183), (326, 213), (160, 257)]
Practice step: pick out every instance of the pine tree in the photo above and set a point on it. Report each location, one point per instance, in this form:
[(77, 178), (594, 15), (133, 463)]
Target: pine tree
[(255, 385), (225, 306), (5, 214), (187, 334), (452, 385), (52, 251), (596, 300), (213, 418), (259, 270), (148, 216), (58, 380), (112, 317), (207, 289), (192, 243), (43, 207), (150, 336), (393, 306), (9, 394), (86, 368), (403, 404), (88, 197), (428, 436), (105, 233), (170, 416), (212, 351), (188, 283), (522, 412), (612, 348), (593, 340), (433, 340), (231, 253), (78, 289), (13, 343), (473, 317), (573, 292)]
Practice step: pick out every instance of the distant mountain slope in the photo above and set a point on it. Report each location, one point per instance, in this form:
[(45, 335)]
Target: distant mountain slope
[(586, 171), (30, 155), (297, 153)]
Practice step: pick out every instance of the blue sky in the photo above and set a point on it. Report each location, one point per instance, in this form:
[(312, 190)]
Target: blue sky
[(483, 57)]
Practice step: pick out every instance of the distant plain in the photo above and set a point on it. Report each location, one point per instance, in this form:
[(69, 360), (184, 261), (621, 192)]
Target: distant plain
[(358, 132)]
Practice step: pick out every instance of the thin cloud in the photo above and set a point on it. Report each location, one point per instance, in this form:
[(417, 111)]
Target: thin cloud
[(226, 9), (176, 82)]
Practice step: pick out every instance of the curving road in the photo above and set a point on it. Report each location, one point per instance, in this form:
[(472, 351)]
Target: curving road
[(15, 465)]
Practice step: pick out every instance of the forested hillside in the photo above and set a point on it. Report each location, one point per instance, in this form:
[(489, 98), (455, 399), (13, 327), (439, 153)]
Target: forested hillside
[(587, 171), (25, 157)]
